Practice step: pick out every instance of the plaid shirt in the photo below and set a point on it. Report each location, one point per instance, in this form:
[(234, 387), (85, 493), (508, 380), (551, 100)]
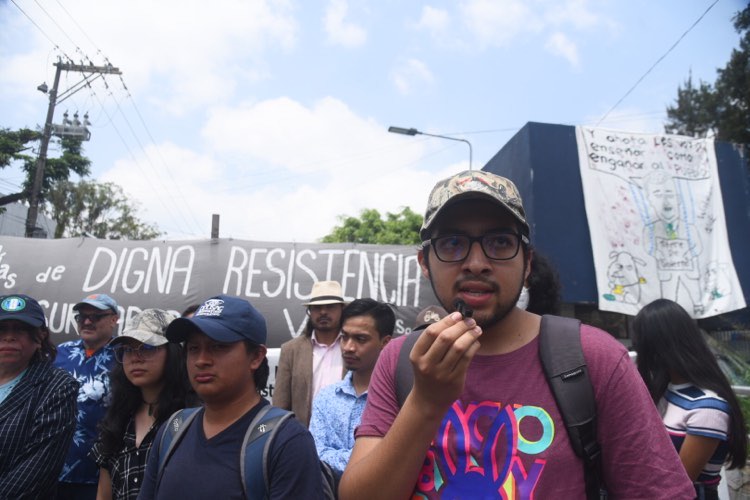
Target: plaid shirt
[(126, 468), (37, 421)]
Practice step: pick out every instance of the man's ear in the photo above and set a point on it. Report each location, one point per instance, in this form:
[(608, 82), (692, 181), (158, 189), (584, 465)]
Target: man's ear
[(385, 340), (258, 355), (528, 255), (422, 258)]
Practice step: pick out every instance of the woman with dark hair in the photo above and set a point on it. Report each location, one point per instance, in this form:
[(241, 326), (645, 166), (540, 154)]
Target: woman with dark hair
[(148, 385), (695, 399), (541, 290), (37, 403)]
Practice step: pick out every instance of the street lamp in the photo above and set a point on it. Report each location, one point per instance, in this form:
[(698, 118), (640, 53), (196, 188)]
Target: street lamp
[(413, 131)]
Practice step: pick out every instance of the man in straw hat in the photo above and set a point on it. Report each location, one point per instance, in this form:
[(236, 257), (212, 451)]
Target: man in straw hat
[(481, 420), (313, 360)]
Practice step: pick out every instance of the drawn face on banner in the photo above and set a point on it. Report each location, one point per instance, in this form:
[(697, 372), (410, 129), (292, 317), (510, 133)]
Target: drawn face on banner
[(661, 193)]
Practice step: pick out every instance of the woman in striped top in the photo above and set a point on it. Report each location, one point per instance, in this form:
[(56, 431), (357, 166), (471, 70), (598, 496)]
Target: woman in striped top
[(695, 399)]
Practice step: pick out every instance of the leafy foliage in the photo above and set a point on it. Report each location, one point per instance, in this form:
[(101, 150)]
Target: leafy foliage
[(58, 169), (96, 209), (86, 207), (401, 228), (724, 107), (14, 144)]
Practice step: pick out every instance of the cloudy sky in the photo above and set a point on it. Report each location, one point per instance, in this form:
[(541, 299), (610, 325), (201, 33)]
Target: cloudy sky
[(274, 113)]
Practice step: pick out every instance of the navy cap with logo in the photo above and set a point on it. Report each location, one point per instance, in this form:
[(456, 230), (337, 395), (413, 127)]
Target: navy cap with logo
[(223, 318), (22, 308)]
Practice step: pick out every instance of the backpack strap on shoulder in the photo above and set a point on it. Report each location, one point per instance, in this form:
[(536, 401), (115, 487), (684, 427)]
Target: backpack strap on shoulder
[(404, 372), (568, 377), (170, 438), (255, 449)]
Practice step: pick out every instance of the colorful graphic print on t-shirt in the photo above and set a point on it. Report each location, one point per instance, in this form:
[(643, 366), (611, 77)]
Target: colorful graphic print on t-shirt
[(487, 450)]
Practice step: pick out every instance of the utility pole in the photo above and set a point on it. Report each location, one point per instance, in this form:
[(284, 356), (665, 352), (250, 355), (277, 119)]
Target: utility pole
[(89, 70)]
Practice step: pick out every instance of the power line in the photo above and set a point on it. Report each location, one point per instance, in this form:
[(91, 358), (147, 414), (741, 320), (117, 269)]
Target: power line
[(657, 62), (164, 163), (159, 195), (40, 29)]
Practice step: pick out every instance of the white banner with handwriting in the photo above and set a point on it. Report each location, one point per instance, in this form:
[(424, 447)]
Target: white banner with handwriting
[(656, 218)]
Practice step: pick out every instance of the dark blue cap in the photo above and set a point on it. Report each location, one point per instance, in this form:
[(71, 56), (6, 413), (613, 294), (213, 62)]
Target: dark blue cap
[(22, 308), (223, 318)]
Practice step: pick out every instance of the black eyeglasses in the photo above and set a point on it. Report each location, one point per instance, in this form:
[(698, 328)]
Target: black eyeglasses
[(141, 352), (94, 318), (496, 246)]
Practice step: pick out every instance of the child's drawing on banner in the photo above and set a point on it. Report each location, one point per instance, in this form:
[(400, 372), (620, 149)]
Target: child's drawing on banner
[(656, 218)]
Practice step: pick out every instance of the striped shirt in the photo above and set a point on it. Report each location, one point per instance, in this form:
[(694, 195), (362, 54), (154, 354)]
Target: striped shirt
[(689, 410), (37, 420)]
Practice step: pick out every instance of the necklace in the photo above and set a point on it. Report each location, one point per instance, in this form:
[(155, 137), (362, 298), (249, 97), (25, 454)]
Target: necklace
[(150, 407)]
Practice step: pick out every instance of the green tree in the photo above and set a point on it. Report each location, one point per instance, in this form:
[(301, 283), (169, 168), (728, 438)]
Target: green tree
[(695, 112), (401, 228), (97, 209), (724, 107), (14, 145)]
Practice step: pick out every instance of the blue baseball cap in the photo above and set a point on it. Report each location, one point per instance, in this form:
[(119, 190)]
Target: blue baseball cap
[(22, 308), (99, 301), (223, 318)]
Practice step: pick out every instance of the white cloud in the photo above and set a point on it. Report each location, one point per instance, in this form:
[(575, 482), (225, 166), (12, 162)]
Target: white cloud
[(434, 20), (575, 13), (198, 53), (559, 44), (339, 30), (278, 170), (497, 24), (410, 74)]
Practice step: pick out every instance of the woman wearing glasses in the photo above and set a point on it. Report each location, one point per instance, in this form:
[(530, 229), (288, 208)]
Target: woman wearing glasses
[(149, 384)]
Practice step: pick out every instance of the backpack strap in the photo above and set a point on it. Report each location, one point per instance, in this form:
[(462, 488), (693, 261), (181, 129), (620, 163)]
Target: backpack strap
[(170, 438), (567, 375), (404, 371), (255, 450)]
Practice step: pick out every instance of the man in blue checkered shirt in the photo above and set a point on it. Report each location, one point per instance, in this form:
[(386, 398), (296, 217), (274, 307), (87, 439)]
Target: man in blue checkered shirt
[(367, 326)]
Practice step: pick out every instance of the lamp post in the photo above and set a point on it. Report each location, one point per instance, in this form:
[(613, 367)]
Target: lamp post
[(413, 131)]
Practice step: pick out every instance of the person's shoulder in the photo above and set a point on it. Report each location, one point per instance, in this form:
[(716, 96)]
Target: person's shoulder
[(596, 339), (694, 397), (395, 343), (331, 390), (43, 372), (70, 344), (295, 342), (62, 377), (290, 428)]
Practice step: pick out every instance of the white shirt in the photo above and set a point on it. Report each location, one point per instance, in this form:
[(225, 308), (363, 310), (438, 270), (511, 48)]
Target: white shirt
[(328, 365)]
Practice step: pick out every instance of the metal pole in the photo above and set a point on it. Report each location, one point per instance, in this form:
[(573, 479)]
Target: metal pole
[(41, 162), (471, 153), (413, 131)]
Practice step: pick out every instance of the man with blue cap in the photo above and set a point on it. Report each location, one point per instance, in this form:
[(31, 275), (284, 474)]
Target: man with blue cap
[(89, 359), (227, 366)]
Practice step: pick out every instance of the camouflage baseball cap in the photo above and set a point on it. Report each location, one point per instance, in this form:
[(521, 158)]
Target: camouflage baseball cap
[(148, 327), (473, 184)]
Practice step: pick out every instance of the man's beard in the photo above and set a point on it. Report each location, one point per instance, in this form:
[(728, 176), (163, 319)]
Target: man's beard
[(500, 311)]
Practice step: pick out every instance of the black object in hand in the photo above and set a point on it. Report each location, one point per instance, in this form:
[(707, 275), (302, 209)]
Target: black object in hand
[(463, 308)]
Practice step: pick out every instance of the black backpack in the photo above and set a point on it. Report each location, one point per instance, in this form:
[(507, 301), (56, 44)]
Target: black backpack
[(568, 377)]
